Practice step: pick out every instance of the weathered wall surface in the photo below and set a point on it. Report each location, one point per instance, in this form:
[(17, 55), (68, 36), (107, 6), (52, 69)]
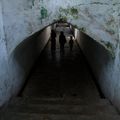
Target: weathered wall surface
[(4, 75), (25, 55), (105, 68), (97, 18), (18, 65)]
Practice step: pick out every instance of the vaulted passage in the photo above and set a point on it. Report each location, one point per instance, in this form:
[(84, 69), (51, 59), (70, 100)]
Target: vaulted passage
[(42, 80), (58, 74), (60, 86)]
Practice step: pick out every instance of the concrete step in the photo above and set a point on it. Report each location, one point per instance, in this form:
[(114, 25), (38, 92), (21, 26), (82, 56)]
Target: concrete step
[(54, 91), (26, 116), (54, 101), (62, 109)]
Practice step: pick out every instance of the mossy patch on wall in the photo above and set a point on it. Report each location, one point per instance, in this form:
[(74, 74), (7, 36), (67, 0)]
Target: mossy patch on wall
[(83, 29), (33, 2), (62, 18), (73, 11), (44, 13), (75, 26), (70, 11), (109, 46)]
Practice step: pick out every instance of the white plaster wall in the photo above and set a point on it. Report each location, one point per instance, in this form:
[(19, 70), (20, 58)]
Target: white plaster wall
[(98, 18), (4, 88), (106, 69), (16, 67), (24, 56)]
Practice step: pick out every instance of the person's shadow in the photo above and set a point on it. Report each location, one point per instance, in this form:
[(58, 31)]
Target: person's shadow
[(53, 54), (53, 40)]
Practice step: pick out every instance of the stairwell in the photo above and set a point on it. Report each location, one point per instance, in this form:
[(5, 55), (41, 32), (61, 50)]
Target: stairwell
[(60, 88)]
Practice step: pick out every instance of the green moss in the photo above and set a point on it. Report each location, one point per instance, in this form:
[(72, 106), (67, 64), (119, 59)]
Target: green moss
[(82, 29), (64, 11), (110, 47), (44, 13), (111, 32), (33, 2), (62, 18), (75, 26), (69, 11), (73, 11)]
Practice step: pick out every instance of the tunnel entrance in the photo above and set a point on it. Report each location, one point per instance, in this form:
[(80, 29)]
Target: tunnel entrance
[(61, 82), (59, 74), (60, 71)]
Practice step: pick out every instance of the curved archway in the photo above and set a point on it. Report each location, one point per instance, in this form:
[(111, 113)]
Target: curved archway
[(88, 17), (85, 15), (100, 70), (96, 19)]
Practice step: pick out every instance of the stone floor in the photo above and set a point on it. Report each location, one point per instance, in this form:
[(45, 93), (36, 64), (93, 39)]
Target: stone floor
[(61, 74)]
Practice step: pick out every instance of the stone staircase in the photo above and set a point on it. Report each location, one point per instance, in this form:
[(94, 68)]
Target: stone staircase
[(60, 88), (59, 109)]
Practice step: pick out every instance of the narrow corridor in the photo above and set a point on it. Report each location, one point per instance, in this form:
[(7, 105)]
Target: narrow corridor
[(60, 87), (61, 75)]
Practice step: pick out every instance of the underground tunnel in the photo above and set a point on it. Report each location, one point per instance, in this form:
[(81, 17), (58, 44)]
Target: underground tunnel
[(26, 60), (39, 42)]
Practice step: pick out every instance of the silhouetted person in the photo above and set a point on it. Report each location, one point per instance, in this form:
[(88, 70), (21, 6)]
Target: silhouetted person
[(62, 41), (53, 40), (71, 42)]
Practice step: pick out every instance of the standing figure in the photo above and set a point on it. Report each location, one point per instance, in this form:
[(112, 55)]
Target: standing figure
[(53, 40), (71, 42), (62, 41)]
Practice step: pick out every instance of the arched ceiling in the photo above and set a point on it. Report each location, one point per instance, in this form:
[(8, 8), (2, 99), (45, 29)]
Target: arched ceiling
[(97, 18)]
